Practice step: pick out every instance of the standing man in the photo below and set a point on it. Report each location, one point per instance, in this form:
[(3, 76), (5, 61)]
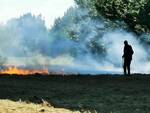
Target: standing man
[(127, 56)]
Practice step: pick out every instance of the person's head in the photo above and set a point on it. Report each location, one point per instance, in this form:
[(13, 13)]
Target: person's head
[(126, 42)]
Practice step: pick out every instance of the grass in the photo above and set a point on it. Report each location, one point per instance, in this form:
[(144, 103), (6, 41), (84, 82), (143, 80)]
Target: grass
[(7, 106), (102, 94)]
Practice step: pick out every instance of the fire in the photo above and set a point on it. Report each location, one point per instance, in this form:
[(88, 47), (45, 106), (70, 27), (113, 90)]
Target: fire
[(18, 71)]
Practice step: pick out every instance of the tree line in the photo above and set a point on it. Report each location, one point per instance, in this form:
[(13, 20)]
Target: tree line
[(135, 13)]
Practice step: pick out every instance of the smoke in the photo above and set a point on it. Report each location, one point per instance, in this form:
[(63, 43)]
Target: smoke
[(77, 43), (114, 41)]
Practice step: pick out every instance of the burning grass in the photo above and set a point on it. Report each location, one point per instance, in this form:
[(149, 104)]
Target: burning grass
[(19, 71)]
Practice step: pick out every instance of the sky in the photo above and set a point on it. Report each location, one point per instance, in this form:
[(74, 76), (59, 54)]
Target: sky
[(49, 9)]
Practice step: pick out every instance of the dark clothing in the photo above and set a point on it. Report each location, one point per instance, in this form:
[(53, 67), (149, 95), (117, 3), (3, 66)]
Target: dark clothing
[(126, 66), (128, 52)]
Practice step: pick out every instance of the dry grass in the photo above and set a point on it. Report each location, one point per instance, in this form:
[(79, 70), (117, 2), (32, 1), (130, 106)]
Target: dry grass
[(7, 106)]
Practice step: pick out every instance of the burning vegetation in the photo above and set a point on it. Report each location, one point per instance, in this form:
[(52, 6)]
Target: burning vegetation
[(19, 71)]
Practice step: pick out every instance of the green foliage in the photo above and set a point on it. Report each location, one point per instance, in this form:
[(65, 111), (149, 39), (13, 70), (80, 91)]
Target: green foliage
[(136, 13), (76, 26)]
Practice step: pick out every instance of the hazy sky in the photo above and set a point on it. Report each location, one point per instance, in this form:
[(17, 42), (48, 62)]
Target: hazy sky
[(49, 9)]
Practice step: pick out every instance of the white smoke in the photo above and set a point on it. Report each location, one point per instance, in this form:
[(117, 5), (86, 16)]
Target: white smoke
[(27, 42), (114, 42)]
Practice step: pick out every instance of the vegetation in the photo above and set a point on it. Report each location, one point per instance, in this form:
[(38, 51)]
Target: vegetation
[(102, 94), (78, 29), (7, 106), (135, 13)]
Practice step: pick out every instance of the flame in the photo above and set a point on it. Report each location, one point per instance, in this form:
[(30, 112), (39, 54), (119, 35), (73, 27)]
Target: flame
[(18, 71)]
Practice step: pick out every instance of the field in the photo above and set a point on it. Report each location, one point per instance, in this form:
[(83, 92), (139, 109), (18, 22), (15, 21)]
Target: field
[(102, 94)]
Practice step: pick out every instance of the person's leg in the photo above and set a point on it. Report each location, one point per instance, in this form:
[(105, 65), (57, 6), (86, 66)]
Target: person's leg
[(125, 67), (128, 69), (128, 66)]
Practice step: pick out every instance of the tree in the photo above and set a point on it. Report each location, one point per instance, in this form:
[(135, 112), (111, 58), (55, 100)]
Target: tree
[(76, 32), (135, 13)]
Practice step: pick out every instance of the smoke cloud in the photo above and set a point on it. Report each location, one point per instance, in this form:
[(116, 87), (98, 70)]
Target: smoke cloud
[(77, 43)]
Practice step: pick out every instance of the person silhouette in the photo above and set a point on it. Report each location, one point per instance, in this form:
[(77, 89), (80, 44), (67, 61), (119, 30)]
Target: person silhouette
[(127, 56)]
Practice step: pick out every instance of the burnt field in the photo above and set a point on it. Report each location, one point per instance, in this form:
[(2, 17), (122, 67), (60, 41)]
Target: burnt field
[(104, 94)]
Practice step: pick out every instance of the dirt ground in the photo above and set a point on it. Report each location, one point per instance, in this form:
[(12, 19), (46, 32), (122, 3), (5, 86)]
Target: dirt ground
[(102, 94)]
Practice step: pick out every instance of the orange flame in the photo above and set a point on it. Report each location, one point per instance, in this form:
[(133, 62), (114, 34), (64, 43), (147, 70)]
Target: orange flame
[(17, 71)]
